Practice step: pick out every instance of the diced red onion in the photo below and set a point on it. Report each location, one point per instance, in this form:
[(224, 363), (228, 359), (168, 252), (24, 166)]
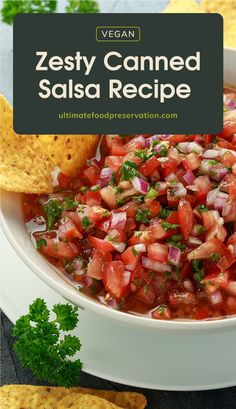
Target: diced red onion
[(155, 265), (126, 277), (120, 247), (221, 201), (160, 146), (112, 303), (194, 147), (140, 248), (88, 280), (106, 173), (188, 285), (205, 167), (211, 197), (118, 220), (215, 297), (189, 177), (210, 154), (171, 177), (95, 162), (218, 173), (222, 151), (174, 255), (152, 138), (140, 185), (179, 189), (183, 147), (194, 241)]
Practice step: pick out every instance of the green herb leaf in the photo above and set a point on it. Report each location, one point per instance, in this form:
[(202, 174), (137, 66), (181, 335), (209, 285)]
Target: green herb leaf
[(86, 223), (13, 7), (128, 170), (164, 213), (52, 210), (82, 6), (215, 257), (202, 208), (40, 346), (143, 216), (40, 243), (169, 226)]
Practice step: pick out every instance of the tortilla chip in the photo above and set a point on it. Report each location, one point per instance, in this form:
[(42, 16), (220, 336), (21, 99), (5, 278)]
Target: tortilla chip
[(28, 397), (69, 152), (183, 6), (126, 400), (24, 165), (227, 8), (26, 161), (85, 401)]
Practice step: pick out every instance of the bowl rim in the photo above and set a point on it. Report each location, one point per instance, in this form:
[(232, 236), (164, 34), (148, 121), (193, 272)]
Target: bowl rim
[(101, 309)]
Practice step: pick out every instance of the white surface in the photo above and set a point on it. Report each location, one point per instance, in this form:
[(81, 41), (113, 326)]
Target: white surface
[(133, 356)]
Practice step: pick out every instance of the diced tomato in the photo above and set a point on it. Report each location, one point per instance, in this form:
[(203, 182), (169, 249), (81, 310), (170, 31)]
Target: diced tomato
[(131, 258), (103, 246), (95, 266), (92, 175), (59, 250), (114, 162), (130, 208), (229, 123), (118, 149), (228, 159), (162, 313), (201, 313), (146, 294), (213, 281), (64, 181), (135, 143), (185, 214), (116, 279), (154, 208), (191, 161), (148, 167), (203, 185), (67, 230), (108, 195), (156, 231), (168, 167), (182, 298), (93, 198), (158, 252)]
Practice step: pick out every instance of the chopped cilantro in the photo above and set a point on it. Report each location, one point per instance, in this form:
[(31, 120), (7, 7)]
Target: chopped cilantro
[(40, 243), (198, 270), (215, 140), (69, 203), (213, 162), (215, 257), (138, 199), (151, 193), (163, 151), (164, 213), (202, 208), (112, 180), (161, 309), (95, 188), (169, 226), (200, 229), (135, 253), (128, 170), (141, 153), (145, 288), (52, 210), (142, 216), (69, 266), (86, 223)]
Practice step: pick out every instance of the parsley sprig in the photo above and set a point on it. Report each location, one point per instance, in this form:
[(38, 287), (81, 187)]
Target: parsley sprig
[(41, 348)]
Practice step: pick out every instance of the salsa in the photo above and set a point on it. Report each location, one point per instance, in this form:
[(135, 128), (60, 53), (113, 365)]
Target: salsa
[(149, 225)]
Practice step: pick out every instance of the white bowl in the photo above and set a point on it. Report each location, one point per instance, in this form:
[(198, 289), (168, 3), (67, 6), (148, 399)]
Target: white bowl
[(14, 228)]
